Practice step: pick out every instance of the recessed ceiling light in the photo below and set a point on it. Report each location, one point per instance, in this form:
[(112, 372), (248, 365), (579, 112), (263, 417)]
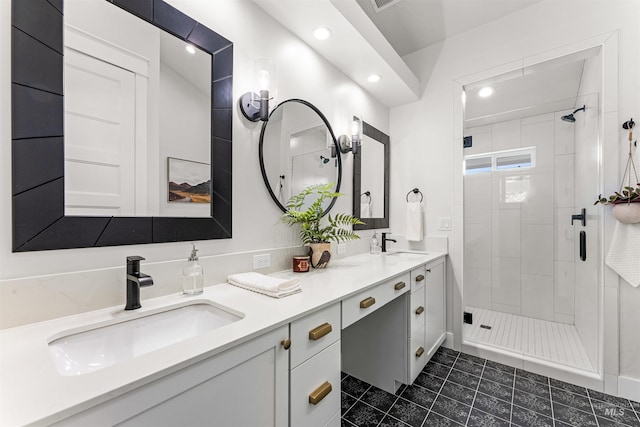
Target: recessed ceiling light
[(322, 33), (374, 78), (485, 92), (190, 49)]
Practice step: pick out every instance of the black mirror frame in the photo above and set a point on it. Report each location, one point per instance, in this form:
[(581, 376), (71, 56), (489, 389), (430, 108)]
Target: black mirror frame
[(371, 223), (39, 221), (335, 148)]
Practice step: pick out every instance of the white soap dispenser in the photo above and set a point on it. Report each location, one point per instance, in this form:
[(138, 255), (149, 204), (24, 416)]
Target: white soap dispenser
[(193, 275), (375, 249)]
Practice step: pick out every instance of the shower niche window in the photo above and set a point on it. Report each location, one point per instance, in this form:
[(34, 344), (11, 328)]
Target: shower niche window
[(500, 161)]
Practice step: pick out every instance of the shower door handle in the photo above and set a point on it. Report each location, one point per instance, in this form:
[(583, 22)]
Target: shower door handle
[(582, 217), (583, 245)]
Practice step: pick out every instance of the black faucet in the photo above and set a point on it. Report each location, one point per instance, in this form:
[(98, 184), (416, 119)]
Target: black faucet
[(135, 280), (385, 240)]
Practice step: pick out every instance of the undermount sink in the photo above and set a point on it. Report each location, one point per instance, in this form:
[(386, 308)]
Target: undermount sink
[(99, 346)]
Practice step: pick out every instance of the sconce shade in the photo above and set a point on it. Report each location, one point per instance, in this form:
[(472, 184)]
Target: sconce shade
[(351, 143), (255, 106)]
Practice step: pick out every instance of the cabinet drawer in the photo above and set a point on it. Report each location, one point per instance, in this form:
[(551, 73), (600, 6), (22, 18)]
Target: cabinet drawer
[(418, 278), (311, 381), (335, 421), (417, 310), (314, 333), (366, 302), (417, 354)]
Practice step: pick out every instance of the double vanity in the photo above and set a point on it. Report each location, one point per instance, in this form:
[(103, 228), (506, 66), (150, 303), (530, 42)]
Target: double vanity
[(230, 356)]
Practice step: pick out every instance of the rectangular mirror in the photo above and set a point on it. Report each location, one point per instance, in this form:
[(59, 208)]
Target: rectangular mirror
[(371, 179), (132, 103), (44, 217)]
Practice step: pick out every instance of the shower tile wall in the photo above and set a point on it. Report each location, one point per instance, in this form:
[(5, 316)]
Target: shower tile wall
[(519, 253)]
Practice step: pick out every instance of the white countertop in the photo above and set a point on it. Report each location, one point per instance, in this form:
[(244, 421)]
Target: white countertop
[(32, 390)]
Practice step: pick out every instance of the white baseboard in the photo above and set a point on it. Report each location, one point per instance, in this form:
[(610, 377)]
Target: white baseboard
[(448, 341), (629, 388)]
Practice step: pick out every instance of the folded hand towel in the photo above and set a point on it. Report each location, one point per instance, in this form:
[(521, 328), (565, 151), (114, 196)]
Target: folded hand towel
[(624, 253), (267, 285), (365, 210), (413, 231)]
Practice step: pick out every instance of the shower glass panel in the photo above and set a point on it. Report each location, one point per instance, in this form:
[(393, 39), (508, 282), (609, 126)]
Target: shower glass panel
[(524, 282)]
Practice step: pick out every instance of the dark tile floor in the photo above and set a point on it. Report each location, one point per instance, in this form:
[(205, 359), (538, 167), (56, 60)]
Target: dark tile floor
[(457, 389)]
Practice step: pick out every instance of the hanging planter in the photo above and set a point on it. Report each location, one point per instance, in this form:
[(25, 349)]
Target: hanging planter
[(626, 201)]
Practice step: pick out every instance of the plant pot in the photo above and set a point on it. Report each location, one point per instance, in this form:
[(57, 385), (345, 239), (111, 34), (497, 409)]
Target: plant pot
[(320, 254), (627, 213)]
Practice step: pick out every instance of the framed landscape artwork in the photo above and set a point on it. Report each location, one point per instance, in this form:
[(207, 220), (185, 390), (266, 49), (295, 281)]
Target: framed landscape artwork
[(189, 181)]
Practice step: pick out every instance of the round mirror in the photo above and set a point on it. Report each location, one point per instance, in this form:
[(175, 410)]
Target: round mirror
[(298, 149)]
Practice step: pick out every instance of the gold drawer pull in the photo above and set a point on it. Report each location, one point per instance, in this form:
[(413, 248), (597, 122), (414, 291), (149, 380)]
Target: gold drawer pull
[(419, 278), (320, 331), (286, 344), (420, 352), (367, 302), (320, 393), (399, 286), (420, 310)]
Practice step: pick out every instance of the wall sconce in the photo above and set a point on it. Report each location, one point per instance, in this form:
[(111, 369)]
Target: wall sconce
[(347, 143), (255, 106)]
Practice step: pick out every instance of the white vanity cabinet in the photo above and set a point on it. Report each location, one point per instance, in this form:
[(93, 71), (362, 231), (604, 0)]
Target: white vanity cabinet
[(315, 369), (435, 306), (417, 315), (246, 385)]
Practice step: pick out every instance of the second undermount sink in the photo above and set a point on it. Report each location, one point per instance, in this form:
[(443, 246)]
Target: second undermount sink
[(99, 346)]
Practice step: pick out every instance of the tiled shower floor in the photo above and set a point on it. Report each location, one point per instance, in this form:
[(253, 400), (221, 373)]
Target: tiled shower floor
[(457, 389), (557, 342)]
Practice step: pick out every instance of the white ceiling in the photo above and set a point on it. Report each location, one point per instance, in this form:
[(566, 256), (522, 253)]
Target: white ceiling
[(524, 93), (411, 25), (364, 42)]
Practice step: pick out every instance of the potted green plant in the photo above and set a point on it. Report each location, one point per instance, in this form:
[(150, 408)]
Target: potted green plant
[(314, 231), (626, 204), (626, 201)]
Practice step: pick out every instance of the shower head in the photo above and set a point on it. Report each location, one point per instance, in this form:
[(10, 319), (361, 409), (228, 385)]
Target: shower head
[(570, 118), (324, 160)]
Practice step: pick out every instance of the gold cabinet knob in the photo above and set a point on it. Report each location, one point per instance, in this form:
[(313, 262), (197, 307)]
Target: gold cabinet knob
[(320, 393), (419, 310), (320, 331), (419, 352), (367, 302), (399, 286), (420, 278), (286, 344)]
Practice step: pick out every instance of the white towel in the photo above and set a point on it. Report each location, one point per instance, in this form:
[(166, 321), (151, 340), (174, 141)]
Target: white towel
[(413, 230), (267, 285), (365, 209), (624, 253)]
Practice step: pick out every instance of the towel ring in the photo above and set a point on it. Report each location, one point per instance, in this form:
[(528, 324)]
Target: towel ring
[(415, 191)]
